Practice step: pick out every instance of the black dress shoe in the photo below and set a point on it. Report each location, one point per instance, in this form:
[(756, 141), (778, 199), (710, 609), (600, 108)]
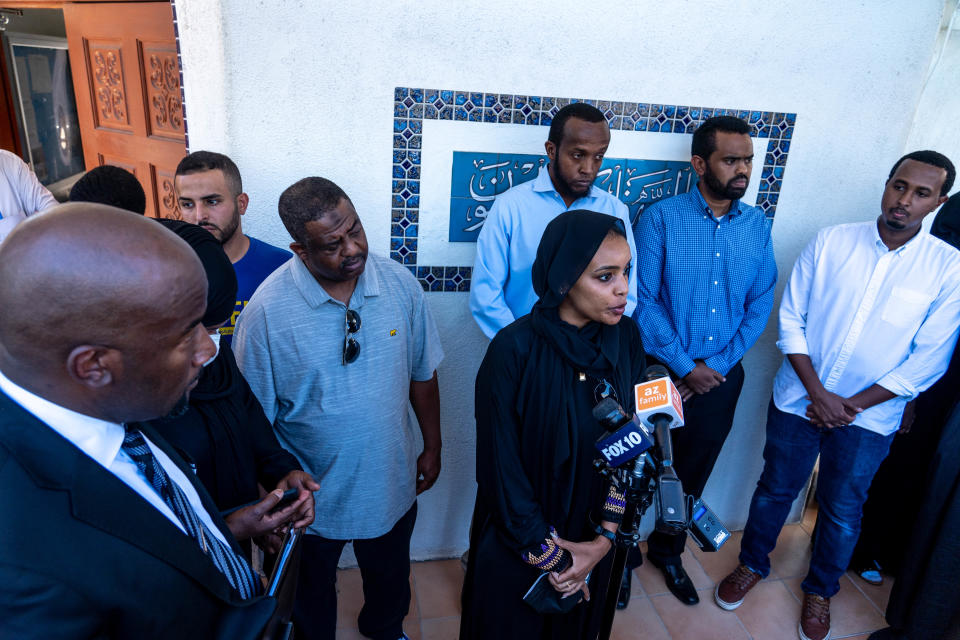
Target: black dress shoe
[(624, 598), (678, 582)]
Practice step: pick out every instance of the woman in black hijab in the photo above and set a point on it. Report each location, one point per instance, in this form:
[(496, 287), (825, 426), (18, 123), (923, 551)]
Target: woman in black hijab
[(538, 494), (223, 432)]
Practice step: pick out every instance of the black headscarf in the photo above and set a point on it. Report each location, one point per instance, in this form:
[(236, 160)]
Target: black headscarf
[(566, 248), (221, 278), (946, 225)]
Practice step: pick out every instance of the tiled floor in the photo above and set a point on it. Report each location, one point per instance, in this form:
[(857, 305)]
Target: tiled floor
[(770, 612)]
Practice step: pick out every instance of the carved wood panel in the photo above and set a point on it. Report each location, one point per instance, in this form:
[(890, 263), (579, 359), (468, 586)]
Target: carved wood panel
[(127, 78), (107, 88), (166, 198), (161, 79), (123, 163)]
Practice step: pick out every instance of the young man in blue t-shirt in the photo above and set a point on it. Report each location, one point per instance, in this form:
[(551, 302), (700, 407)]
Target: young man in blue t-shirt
[(210, 194)]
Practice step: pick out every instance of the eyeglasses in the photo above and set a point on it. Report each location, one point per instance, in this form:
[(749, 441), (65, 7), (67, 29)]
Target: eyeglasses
[(604, 390), (351, 348)]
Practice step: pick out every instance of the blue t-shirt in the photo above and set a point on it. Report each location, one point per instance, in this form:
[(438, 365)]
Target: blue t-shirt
[(260, 260)]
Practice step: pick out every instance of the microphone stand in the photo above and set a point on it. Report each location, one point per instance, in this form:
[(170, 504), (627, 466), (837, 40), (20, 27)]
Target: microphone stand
[(638, 487)]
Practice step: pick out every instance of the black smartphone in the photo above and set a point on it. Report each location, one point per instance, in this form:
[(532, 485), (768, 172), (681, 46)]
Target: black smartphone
[(289, 496)]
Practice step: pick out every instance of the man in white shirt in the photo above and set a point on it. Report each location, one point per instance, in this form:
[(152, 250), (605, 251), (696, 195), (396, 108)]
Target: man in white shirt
[(501, 289), (21, 194), (121, 540), (867, 322)]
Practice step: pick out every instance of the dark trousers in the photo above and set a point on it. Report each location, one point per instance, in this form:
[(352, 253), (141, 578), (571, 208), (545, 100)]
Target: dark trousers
[(385, 570), (708, 419)]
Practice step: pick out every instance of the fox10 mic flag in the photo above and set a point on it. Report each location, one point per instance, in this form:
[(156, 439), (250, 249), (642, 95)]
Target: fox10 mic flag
[(658, 396)]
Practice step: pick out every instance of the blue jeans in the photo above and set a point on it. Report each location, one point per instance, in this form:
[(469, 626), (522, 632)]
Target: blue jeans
[(849, 458)]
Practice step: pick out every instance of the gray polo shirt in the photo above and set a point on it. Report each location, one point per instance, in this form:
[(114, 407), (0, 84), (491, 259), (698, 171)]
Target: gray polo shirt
[(351, 426)]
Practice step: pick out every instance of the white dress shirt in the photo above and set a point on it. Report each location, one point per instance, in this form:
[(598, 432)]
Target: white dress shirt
[(21, 194), (101, 441), (501, 287), (867, 315)]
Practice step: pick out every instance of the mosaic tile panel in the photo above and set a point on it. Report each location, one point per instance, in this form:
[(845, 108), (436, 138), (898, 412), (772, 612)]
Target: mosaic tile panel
[(412, 105), (477, 179)]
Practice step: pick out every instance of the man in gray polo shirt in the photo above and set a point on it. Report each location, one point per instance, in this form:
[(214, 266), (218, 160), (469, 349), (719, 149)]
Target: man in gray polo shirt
[(338, 346)]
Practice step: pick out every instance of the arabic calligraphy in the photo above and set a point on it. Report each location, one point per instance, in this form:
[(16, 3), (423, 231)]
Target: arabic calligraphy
[(478, 178)]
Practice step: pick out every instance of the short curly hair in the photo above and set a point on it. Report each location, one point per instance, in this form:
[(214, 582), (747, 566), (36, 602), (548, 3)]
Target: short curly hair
[(307, 200)]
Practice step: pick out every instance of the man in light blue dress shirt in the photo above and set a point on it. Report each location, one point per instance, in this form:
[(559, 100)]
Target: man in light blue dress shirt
[(868, 321), (501, 289), (706, 276)]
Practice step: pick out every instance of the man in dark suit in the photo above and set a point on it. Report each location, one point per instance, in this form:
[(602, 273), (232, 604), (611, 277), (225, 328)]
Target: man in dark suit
[(104, 532)]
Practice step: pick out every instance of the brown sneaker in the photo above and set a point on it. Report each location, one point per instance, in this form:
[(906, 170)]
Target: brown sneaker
[(815, 618), (730, 593)]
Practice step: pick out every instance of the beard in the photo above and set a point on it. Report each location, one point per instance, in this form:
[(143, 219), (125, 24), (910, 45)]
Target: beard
[(891, 223), (724, 191), (223, 234), (179, 409)]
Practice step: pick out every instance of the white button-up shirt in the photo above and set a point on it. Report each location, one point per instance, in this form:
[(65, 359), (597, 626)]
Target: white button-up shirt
[(21, 194), (101, 441), (867, 315)]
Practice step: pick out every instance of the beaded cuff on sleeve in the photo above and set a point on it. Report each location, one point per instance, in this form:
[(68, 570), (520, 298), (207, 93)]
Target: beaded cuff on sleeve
[(613, 506), (550, 558)]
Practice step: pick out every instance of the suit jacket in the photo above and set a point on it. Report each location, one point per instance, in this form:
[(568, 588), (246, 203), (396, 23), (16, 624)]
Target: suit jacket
[(82, 555)]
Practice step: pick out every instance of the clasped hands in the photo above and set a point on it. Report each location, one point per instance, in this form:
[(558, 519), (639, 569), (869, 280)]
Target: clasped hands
[(585, 556), (830, 410), (260, 522), (701, 380)]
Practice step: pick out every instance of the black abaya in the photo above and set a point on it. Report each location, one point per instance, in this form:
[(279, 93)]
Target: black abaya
[(925, 602), (226, 435), (524, 489), (535, 393)]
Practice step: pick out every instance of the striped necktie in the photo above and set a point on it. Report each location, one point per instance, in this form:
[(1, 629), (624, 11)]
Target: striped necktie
[(236, 570)]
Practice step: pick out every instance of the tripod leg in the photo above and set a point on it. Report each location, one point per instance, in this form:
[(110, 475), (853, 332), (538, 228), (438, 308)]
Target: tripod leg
[(613, 591)]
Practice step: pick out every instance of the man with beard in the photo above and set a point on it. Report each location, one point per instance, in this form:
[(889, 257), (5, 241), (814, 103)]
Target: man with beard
[(104, 530), (868, 320), (337, 345), (210, 194), (706, 277), (501, 289)]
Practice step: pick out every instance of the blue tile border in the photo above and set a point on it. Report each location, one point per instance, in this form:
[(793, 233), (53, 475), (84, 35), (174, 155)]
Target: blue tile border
[(412, 105)]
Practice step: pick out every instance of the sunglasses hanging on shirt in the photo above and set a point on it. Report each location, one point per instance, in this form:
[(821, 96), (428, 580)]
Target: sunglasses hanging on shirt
[(351, 348)]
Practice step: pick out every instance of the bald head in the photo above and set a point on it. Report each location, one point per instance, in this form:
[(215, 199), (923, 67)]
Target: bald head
[(92, 297)]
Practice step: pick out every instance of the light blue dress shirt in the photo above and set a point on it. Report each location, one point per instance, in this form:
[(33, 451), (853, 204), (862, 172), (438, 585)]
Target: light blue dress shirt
[(501, 289), (867, 315), (705, 286)]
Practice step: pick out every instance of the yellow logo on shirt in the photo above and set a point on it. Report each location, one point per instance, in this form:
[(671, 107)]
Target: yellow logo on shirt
[(393, 332)]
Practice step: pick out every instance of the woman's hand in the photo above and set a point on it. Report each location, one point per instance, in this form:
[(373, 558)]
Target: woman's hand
[(568, 588), (585, 556)]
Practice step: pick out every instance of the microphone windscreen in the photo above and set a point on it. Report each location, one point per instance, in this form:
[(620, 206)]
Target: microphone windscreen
[(605, 409), (656, 371)]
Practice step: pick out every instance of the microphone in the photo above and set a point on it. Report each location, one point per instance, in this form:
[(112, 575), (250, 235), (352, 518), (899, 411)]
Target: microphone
[(626, 439), (658, 397), (659, 404)]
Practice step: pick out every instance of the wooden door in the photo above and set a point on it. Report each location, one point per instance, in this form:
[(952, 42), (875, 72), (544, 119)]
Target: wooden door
[(127, 80)]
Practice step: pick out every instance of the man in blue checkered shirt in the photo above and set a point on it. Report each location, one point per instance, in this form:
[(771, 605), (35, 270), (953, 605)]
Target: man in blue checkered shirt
[(706, 277)]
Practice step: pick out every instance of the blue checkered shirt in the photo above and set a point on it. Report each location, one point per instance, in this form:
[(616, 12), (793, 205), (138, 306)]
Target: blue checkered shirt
[(705, 286)]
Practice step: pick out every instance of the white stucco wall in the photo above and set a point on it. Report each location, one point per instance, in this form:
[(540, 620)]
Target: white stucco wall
[(935, 123), (290, 89)]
